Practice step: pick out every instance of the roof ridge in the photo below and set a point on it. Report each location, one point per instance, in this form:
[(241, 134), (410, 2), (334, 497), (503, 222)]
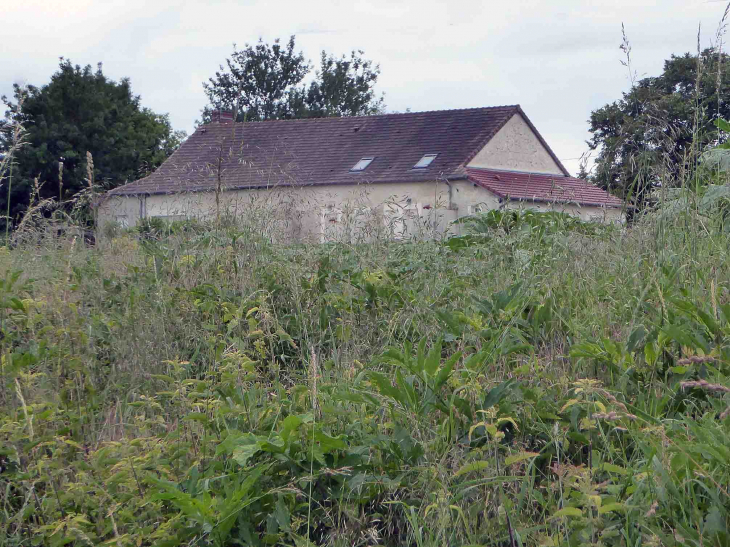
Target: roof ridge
[(518, 172), (367, 116)]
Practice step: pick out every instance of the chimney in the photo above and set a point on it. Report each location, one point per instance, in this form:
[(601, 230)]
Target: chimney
[(222, 116)]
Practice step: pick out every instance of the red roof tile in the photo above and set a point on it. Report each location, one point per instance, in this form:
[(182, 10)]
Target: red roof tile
[(542, 188), (323, 150)]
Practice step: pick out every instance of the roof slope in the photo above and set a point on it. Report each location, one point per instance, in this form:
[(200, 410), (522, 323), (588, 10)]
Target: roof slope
[(323, 150), (542, 188)]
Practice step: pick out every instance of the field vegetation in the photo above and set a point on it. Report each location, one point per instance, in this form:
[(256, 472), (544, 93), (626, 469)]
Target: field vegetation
[(539, 382)]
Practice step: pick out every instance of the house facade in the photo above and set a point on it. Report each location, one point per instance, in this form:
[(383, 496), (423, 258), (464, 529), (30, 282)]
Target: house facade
[(354, 178)]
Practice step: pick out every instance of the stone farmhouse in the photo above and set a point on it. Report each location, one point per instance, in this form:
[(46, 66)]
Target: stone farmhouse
[(351, 178)]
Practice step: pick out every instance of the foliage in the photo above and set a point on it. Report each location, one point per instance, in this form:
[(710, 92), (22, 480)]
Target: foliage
[(264, 82), (658, 129), (510, 220), (343, 87), (81, 111), (541, 384)]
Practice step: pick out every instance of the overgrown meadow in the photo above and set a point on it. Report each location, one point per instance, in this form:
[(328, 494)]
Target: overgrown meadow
[(540, 382)]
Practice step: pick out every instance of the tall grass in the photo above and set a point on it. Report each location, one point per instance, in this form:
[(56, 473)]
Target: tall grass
[(552, 383), (538, 381)]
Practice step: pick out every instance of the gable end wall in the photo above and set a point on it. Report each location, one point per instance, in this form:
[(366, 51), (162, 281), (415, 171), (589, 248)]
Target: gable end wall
[(516, 148)]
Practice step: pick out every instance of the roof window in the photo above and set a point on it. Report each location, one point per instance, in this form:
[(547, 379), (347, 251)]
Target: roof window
[(425, 161), (362, 164)]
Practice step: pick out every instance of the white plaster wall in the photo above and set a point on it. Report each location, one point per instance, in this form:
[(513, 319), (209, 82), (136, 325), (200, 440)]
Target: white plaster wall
[(353, 213), (468, 195), (298, 211), (588, 213), (516, 148), (121, 209)]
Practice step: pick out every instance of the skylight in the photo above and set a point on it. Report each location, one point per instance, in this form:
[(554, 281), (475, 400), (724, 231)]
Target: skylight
[(425, 161), (362, 164)]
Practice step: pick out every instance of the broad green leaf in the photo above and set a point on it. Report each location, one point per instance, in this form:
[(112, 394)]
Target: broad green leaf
[(385, 388), (445, 371), (163, 378), (651, 353), (393, 354), (722, 125), (568, 512), (433, 359), (282, 515), (471, 467), (328, 443), (715, 522), (354, 397), (520, 457), (612, 468), (570, 403), (611, 507), (496, 394), (506, 420), (245, 452), (587, 349), (404, 387), (292, 423), (636, 338), (474, 361)]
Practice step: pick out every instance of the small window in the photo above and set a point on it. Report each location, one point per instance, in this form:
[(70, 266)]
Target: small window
[(478, 208), (362, 164), (425, 161)]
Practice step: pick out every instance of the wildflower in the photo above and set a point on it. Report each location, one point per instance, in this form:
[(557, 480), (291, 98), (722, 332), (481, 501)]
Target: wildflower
[(614, 416), (704, 384), (696, 360)]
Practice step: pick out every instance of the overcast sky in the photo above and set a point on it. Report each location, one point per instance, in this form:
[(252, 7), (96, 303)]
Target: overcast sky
[(559, 59)]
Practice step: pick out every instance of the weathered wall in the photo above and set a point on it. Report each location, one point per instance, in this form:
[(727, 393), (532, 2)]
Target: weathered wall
[(304, 213), (516, 148), (325, 213), (599, 214), (123, 210), (469, 198)]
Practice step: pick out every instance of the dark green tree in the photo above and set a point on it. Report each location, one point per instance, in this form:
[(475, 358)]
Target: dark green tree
[(653, 136), (264, 82), (343, 87), (257, 80), (81, 111)]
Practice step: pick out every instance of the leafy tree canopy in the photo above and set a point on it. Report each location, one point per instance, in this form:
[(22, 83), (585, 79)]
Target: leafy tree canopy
[(265, 82), (81, 111), (654, 134)]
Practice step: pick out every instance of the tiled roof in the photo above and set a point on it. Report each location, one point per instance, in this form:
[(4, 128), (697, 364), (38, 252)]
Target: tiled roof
[(542, 188), (323, 150)]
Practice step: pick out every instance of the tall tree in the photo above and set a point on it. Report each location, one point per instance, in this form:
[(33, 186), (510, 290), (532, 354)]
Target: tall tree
[(257, 80), (342, 87), (655, 133), (265, 82), (81, 111)]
